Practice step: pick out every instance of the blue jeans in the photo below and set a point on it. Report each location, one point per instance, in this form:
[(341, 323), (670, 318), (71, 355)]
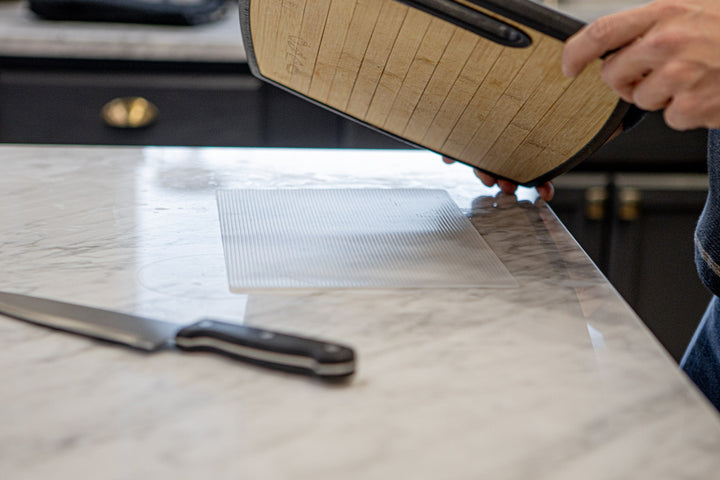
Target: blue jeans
[(701, 361)]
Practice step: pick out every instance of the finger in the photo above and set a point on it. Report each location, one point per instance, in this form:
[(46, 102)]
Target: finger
[(624, 70), (487, 180), (692, 109), (507, 186), (604, 35), (696, 107), (448, 160), (678, 115), (657, 89), (546, 191)]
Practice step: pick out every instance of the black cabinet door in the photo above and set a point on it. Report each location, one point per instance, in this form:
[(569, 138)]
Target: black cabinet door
[(295, 122), (581, 204), (651, 253), (194, 109), (639, 230)]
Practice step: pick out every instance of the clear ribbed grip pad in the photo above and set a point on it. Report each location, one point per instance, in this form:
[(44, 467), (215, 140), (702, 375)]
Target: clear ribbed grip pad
[(345, 238)]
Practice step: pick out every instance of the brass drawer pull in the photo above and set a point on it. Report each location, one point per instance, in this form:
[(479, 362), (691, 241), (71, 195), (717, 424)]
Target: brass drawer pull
[(629, 204), (596, 199), (129, 112)]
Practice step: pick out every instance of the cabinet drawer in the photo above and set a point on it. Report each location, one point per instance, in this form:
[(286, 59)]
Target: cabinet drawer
[(194, 109)]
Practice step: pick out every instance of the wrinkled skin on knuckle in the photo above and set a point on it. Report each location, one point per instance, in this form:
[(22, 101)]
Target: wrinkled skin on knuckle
[(668, 41), (681, 75), (673, 8), (600, 31)]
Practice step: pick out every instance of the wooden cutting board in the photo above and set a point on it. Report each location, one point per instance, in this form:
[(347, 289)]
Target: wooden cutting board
[(478, 81)]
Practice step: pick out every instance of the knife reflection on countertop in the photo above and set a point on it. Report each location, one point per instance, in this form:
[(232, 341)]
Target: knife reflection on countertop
[(255, 345)]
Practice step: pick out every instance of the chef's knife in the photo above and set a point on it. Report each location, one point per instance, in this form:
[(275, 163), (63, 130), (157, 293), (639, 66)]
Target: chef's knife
[(260, 346)]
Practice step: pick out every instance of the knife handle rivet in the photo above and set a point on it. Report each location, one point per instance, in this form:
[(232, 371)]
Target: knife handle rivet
[(331, 348), (265, 335)]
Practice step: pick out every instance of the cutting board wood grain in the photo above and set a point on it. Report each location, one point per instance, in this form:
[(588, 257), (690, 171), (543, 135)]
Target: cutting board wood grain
[(478, 81)]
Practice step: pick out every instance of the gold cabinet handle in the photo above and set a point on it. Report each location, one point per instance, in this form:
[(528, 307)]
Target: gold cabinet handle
[(595, 201), (629, 200), (129, 112)]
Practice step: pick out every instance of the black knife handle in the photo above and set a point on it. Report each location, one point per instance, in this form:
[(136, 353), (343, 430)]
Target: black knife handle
[(268, 348)]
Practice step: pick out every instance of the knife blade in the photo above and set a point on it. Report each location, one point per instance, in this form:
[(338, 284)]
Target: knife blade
[(260, 346)]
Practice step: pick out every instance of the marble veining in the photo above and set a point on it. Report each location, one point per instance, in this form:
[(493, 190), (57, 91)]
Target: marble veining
[(24, 34), (554, 379)]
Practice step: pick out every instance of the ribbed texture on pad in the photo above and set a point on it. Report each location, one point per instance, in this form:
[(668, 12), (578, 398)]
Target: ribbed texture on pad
[(342, 238)]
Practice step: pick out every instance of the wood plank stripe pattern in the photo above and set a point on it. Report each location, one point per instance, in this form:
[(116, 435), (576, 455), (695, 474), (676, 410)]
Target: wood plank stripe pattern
[(509, 111)]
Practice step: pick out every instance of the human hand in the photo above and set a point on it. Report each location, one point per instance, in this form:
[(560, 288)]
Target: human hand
[(665, 54), (546, 190)]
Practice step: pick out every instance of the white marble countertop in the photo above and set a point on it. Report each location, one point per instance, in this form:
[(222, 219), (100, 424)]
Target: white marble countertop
[(24, 34), (553, 379)]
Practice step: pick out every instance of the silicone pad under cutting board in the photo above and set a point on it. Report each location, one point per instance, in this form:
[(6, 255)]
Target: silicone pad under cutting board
[(342, 238)]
